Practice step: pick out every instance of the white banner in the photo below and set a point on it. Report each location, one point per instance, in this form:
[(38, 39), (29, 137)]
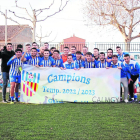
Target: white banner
[(51, 85)]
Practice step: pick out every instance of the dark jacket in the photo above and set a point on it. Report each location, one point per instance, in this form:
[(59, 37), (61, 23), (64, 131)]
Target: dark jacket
[(6, 55)]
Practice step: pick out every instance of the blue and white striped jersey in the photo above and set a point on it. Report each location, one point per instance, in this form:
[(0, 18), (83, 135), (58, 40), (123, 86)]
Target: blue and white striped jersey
[(73, 56), (87, 64), (15, 64), (102, 65), (58, 63), (27, 54), (72, 65), (121, 57), (79, 62), (33, 61), (47, 63)]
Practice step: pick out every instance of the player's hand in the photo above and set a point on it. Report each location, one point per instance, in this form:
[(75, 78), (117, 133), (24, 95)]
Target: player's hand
[(14, 57), (75, 69), (83, 58), (61, 68), (92, 59), (64, 68), (107, 67), (119, 67), (130, 80), (37, 66)]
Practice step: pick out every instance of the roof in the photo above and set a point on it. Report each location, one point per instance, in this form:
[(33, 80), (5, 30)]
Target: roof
[(74, 39), (12, 30)]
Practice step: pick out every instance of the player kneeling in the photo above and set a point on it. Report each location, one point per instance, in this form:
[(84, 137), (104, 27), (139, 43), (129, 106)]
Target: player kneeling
[(15, 74), (69, 64)]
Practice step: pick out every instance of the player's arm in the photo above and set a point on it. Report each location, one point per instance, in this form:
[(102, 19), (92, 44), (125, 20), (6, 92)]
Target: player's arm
[(23, 59), (11, 60), (76, 66)]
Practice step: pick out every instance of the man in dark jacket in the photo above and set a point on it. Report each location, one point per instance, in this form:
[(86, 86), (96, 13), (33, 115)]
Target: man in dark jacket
[(5, 55)]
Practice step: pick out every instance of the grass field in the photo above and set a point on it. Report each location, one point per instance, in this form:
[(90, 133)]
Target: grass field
[(109, 121)]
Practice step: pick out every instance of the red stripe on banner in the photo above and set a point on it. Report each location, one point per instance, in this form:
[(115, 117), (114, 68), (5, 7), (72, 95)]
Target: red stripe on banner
[(31, 85), (35, 87), (27, 82), (30, 93), (24, 88), (27, 92)]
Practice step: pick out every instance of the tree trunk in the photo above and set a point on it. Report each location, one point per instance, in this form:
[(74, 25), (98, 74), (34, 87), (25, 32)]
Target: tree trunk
[(127, 46), (34, 29)]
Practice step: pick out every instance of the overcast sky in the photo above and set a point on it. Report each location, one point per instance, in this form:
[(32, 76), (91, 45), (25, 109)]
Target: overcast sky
[(64, 24)]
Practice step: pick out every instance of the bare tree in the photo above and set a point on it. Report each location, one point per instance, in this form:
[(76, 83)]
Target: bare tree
[(122, 14), (41, 37), (35, 13)]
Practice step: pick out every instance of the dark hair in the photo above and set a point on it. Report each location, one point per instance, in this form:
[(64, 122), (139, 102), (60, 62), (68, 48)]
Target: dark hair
[(4, 48), (85, 47), (34, 49), (102, 53), (89, 53), (78, 52), (34, 43), (73, 47), (18, 50), (52, 48), (56, 51), (28, 45), (66, 47), (69, 55), (126, 55), (46, 43), (118, 47), (19, 46), (109, 49), (46, 50), (96, 49), (9, 43), (115, 56)]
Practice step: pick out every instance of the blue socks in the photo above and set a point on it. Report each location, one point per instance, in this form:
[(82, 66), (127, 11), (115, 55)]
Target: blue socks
[(16, 94), (12, 98)]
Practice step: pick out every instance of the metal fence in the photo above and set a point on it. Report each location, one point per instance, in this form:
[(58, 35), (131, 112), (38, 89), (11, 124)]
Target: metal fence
[(103, 46)]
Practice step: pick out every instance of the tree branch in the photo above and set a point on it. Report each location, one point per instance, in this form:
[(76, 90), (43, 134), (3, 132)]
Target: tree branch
[(55, 12), (45, 8), (19, 17), (23, 8), (9, 17), (137, 36)]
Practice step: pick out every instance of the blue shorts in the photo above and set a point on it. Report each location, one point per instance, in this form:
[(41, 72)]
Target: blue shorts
[(16, 79)]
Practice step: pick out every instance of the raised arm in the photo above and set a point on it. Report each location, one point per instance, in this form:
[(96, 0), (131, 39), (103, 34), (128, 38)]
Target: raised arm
[(11, 60)]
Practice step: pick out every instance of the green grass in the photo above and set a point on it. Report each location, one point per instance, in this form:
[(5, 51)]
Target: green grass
[(109, 121)]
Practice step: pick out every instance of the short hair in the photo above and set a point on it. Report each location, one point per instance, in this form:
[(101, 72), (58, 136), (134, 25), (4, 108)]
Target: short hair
[(70, 55), (102, 53), (56, 51), (52, 48), (9, 43), (73, 47), (28, 45), (85, 47), (34, 49), (118, 47), (78, 52), (115, 56), (34, 43), (126, 55), (19, 46), (66, 48), (96, 49), (46, 50), (109, 49), (18, 50), (46, 43), (89, 53)]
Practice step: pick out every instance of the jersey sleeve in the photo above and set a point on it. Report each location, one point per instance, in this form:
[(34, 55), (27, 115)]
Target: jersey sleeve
[(83, 64), (61, 63), (76, 65), (53, 62), (27, 58)]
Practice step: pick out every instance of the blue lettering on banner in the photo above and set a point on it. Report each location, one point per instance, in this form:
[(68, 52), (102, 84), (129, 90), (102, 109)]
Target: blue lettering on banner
[(53, 78)]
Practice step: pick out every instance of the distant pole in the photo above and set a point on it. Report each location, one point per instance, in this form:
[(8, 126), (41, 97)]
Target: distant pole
[(5, 27)]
